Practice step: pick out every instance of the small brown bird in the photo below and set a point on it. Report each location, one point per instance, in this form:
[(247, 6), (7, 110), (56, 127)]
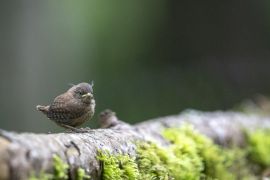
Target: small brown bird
[(72, 108)]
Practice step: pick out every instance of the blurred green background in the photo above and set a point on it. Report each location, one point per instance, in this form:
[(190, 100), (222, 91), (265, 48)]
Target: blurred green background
[(147, 58)]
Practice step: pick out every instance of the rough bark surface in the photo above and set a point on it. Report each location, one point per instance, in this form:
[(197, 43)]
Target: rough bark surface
[(21, 154)]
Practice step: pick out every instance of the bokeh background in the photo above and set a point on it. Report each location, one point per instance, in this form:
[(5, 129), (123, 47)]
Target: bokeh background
[(147, 58)]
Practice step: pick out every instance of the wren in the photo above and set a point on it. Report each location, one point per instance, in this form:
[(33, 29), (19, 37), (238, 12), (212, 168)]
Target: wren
[(72, 108)]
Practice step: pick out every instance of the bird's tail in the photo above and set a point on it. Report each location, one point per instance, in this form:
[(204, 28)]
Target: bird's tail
[(43, 109)]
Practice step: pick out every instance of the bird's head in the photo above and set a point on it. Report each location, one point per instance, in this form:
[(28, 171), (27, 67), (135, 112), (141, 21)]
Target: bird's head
[(83, 92)]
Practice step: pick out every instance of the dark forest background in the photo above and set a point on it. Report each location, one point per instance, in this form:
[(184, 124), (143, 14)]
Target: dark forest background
[(147, 58)]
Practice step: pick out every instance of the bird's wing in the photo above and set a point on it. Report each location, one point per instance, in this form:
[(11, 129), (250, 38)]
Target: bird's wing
[(64, 108)]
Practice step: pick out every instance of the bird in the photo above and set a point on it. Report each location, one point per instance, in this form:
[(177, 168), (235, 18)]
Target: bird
[(72, 108)]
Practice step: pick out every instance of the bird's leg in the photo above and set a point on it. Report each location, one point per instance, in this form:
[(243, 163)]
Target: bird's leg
[(73, 128)]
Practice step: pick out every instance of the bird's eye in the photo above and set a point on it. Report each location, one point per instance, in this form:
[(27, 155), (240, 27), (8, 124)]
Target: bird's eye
[(80, 92)]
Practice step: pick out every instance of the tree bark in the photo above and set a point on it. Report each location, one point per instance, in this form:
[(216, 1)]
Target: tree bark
[(24, 153)]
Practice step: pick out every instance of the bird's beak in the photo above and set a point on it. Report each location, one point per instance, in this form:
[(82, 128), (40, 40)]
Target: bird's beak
[(87, 95)]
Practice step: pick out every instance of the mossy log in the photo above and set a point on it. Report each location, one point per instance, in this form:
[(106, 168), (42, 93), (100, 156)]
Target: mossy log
[(28, 155)]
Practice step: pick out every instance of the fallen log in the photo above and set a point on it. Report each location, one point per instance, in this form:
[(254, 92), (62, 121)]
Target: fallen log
[(25, 155)]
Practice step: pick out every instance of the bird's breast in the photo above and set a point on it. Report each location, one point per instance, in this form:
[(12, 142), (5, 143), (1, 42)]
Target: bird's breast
[(80, 120)]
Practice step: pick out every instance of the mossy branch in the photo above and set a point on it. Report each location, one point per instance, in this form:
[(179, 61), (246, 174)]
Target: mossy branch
[(120, 146)]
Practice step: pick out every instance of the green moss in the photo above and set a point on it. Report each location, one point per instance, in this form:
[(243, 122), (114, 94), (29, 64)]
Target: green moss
[(150, 164), (41, 176), (157, 162), (118, 166), (60, 168), (81, 175), (259, 147), (60, 171), (218, 162), (183, 159), (204, 157), (190, 156)]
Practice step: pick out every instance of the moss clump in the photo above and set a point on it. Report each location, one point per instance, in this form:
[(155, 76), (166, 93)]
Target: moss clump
[(60, 171), (157, 162), (41, 176), (118, 166), (60, 168), (148, 164), (202, 155), (218, 162), (81, 175), (259, 147), (190, 156), (153, 162)]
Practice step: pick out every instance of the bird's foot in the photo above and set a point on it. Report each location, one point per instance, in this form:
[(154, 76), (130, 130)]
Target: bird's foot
[(83, 130), (71, 129)]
